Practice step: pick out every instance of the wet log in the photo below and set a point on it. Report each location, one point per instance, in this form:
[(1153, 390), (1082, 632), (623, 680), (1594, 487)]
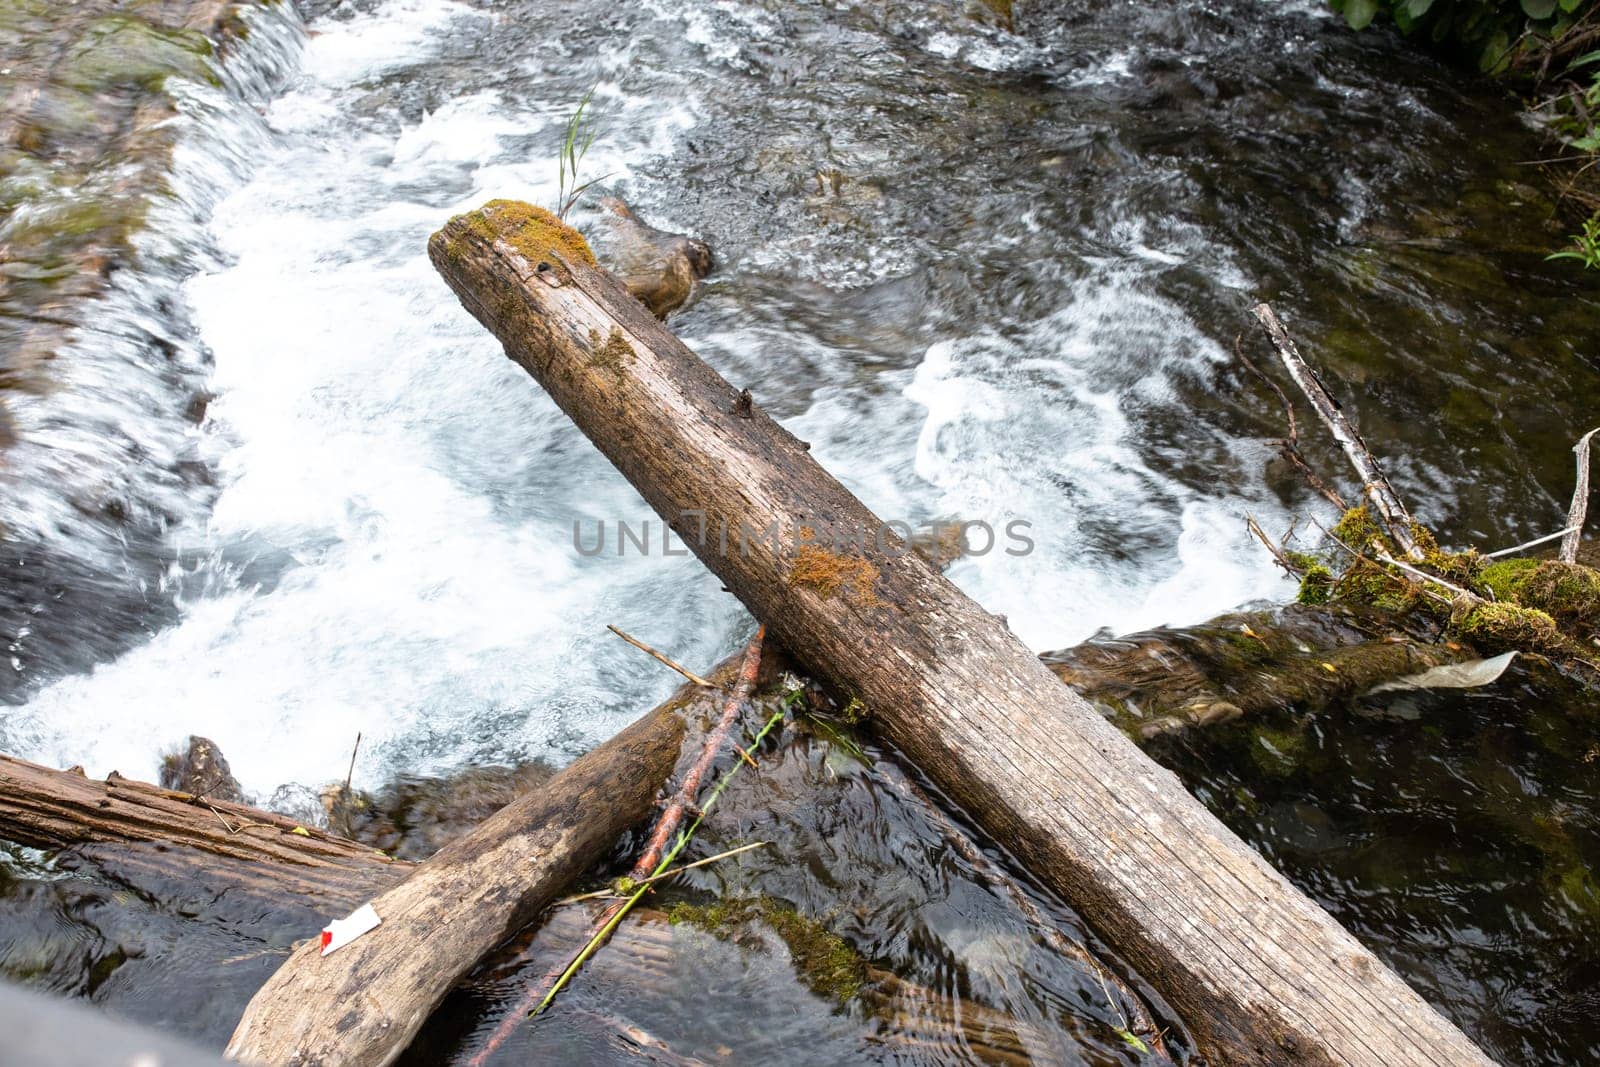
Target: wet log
[(1259, 971), (363, 1004), (1244, 664), (176, 835)]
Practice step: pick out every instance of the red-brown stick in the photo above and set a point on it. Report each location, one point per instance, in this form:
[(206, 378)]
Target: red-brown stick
[(671, 818)]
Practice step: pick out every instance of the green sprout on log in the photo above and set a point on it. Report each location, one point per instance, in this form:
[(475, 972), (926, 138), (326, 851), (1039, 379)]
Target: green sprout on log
[(580, 136)]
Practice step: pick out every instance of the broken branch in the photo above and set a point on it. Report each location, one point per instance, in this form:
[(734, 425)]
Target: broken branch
[(1374, 486)]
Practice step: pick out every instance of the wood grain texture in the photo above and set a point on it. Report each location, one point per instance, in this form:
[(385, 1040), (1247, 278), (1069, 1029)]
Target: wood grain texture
[(1259, 972), (172, 833)]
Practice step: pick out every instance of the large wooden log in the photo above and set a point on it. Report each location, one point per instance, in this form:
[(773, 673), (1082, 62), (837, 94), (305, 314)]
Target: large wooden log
[(162, 831), (1259, 971), (363, 1004)]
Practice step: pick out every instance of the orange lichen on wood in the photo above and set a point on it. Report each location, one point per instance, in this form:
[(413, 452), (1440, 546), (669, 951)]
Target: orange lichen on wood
[(829, 573)]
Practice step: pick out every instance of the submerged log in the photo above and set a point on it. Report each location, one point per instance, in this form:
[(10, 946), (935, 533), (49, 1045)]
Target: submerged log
[(363, 1004), (1171, 679), (910, 1018), (1259, 971)]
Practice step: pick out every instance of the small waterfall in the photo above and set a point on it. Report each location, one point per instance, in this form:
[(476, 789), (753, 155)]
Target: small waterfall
[(109, 459)]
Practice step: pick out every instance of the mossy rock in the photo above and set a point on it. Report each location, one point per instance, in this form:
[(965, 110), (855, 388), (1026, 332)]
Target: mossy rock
[(121, 51), (1567, 592), (1503, 627)]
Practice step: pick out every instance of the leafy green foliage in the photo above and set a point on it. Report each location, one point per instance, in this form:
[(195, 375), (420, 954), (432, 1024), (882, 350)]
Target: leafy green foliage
[(1535, 42), (1585, 246), (1489, 33)]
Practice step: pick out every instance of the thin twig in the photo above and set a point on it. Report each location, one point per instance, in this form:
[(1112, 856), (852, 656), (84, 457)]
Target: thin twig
[(657, 857), (599, 893), (602, 934), (1277, 553), (1580, 501), (1425, 576), (1289, 446), (245, 824), (1528, 544), (351, 773), (1375, 487), (680, 668), (749, 668)]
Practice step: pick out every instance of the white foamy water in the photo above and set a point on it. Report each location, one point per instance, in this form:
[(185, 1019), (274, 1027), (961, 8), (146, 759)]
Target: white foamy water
[(390, 552)]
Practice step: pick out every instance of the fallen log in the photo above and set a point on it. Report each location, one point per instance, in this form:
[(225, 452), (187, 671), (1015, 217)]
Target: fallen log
[(1171, 679), (154, 840), (159, 832), (363, 1004), (1259, 971)]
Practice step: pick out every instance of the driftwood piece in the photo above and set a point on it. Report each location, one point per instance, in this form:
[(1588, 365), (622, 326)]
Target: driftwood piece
[(253, 851), (363, 1004), (1580, 501), (1374, 486), (1258, 970)]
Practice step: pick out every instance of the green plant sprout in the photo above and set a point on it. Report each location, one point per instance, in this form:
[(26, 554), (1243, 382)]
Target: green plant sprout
[(580, 136)]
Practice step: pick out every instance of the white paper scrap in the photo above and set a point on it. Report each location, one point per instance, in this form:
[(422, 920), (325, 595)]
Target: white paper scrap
[(341, 932)]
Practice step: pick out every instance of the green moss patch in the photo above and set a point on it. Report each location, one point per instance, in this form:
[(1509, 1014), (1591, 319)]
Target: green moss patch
[(1502, 627), (531, 230), (1316, 585), (825, 961), (612, 354)]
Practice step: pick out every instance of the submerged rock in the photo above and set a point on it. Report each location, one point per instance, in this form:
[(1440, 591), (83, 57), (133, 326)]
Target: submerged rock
[(658, 267), (413, 817)]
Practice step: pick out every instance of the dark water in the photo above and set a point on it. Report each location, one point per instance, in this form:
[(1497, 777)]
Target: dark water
[(988, 274), (1455, 833)]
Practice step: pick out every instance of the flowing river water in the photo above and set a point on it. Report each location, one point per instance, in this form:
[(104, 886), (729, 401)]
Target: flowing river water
[(988, 275)]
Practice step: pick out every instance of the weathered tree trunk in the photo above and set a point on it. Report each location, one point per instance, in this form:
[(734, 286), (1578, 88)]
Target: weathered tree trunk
[(162, 832), (363, 1004), (1259, 971)]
